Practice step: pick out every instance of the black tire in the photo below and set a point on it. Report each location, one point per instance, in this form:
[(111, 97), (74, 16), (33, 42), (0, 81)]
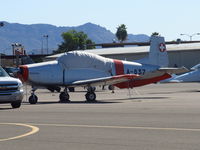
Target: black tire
[(111, 87), (33, 99), (64, 97), (16, 104), (90, 97), (58, 89), (91, 89)]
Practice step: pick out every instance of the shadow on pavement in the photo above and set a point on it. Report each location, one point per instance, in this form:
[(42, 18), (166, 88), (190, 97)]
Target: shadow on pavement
[(71, 102)]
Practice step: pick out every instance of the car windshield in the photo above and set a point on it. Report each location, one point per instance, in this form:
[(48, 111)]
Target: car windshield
[(3, 72)]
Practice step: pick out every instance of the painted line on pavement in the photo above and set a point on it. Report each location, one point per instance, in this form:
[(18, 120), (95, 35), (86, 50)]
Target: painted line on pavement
[(117, 127), (33, 131)]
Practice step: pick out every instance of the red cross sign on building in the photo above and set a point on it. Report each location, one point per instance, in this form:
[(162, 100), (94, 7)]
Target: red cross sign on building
[(162, 47)]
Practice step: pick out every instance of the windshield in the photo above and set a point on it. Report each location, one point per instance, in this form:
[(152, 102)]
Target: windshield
[(3, 72)]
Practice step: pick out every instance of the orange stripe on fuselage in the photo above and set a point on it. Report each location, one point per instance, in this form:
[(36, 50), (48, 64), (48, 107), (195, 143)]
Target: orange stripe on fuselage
[(136, 83), (119, 67), (119, 70)]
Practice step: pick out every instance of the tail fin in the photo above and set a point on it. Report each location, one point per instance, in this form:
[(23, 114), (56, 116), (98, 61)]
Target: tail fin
[(158, 54)]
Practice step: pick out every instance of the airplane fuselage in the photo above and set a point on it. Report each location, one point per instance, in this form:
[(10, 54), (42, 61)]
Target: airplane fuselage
[(70, 68)]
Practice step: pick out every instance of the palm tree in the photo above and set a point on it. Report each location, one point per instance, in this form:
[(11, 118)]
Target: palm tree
[(121, 33)]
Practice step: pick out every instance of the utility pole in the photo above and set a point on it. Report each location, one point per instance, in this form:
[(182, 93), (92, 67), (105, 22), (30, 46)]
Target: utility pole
[(47, 42), (1, 25), (190, 35)]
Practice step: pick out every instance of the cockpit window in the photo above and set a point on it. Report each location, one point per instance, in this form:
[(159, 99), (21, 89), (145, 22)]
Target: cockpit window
[(3, 72)]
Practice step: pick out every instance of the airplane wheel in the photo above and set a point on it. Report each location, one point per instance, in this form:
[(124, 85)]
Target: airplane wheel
[(71, 89), (90, 97), (64, 97), (111, 87), (33, 99), (58, 89), (91, 89)]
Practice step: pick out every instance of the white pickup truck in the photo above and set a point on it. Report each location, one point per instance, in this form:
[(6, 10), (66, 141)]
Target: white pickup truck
[(11, 89)]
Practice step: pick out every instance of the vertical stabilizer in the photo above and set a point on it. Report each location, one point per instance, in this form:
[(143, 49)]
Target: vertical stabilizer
[(158, 53)]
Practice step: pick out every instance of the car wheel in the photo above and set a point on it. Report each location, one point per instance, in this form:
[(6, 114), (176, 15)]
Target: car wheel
[(16, 104)]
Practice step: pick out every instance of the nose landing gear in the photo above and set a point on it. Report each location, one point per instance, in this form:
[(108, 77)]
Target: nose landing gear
[(33, 98)]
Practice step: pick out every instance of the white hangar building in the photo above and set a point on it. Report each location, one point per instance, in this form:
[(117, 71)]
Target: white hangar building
[(186, 55)]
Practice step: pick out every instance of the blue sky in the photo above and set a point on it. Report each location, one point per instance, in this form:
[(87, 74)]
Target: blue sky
[(168, 17)]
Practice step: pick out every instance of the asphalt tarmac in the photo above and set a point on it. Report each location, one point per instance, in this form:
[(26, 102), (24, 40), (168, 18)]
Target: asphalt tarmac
[(152, 117)]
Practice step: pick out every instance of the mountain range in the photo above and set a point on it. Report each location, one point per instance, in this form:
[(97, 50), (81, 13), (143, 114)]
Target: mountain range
[(34, 37)]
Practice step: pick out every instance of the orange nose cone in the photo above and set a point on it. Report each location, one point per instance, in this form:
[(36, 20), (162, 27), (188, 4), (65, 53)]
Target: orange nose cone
[(23, 74)]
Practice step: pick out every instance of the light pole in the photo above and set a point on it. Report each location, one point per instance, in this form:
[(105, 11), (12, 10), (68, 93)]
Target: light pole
[(18, 50), (1, 25), (46, 36), (42, 46), (191, 35)]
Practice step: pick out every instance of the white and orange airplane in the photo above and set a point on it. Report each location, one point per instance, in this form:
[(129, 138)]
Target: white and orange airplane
[(80, 68)]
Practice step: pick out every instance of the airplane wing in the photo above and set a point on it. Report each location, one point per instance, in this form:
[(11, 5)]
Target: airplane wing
[(174, 70), (104, 81)]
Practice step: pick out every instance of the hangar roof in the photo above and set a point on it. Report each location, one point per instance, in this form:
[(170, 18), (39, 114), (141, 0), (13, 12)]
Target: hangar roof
[(136, 49)]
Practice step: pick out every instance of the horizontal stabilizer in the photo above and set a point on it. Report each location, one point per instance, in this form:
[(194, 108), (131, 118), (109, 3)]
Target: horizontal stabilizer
[(196, 67), (174, 70)]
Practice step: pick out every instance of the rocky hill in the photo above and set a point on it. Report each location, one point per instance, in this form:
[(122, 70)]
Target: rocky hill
[(33, 39)]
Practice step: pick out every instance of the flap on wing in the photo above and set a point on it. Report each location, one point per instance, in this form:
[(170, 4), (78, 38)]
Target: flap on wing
[(104, 81), (174, 70)]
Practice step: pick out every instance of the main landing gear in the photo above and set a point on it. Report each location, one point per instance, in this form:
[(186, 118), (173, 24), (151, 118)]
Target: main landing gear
[(90, 95), (64, 96)]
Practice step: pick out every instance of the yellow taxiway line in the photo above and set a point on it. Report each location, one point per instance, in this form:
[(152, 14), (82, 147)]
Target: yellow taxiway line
[(33, 131)]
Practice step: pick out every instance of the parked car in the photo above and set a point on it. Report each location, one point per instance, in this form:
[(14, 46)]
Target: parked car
[(11, 89)]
